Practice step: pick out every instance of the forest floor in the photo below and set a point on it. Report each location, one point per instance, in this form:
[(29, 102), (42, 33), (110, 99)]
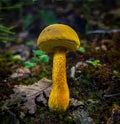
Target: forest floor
[(93, 76)]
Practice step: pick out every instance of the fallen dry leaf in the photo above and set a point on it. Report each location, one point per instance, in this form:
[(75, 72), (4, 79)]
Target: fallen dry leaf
[(31, 92)]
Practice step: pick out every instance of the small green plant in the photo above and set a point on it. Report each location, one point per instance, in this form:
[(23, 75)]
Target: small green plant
[(38, 58), (116, 74), (29, 64), (81, 49), (29, 43), (5, 33), (95, 63)]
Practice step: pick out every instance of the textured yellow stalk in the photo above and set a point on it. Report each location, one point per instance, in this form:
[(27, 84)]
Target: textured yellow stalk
[(58, 38), (59, 96)]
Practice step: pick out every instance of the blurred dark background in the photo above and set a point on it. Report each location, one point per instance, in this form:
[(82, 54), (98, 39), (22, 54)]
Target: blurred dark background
[(31, 16)]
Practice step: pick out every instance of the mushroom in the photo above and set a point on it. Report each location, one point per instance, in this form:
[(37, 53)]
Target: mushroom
[(58, 38)]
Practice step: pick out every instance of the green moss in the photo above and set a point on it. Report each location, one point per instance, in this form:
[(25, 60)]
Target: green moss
[(75, 92), (68, 120), (27, 121)]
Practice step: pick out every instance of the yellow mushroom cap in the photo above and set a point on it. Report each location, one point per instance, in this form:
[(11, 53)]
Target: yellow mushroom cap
[(58, 35)]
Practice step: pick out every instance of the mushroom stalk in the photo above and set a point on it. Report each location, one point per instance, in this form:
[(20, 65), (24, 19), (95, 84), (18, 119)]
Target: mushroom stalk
[(59, 96)]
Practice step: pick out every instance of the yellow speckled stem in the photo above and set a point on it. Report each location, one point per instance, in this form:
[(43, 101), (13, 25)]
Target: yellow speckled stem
[(59, 96)]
